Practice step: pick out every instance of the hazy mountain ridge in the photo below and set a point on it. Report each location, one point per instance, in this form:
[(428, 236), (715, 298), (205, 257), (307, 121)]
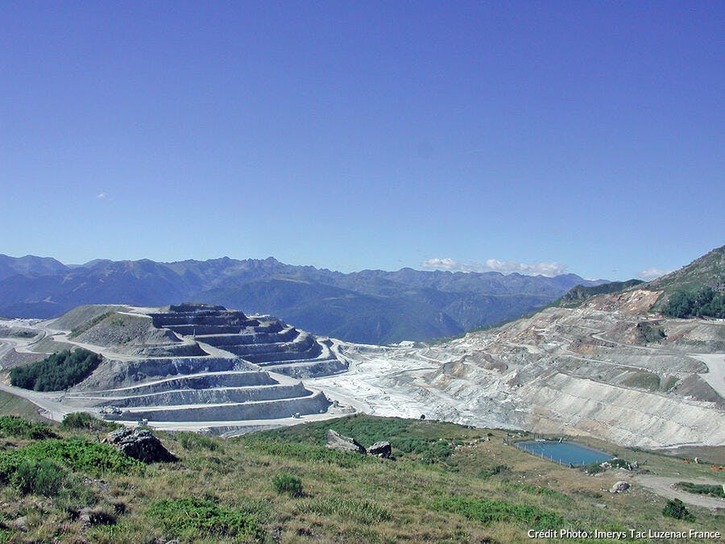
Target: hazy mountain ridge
[(370, 306)]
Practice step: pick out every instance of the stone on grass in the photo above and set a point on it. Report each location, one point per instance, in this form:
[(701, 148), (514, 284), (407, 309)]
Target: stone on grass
[(140, 444), (381, 449), (336, 441), (619, 487)]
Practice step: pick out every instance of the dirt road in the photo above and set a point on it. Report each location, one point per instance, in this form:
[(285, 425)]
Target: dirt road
[(716, 367), (663, 486)]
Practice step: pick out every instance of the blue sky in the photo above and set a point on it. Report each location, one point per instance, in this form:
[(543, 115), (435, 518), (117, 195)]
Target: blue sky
[(586, 137)]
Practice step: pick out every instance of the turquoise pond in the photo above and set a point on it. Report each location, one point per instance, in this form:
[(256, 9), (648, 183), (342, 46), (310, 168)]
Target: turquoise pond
[(565, 453)]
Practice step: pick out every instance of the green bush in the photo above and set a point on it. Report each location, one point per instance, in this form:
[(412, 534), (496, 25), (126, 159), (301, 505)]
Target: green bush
[(75, 454), (195, 441), (192, 518), (86, 422), (702, 489), (675, 508), (493, 471), (17, 427), (287, 483), (308, 453), (43, 477), (56, 372)]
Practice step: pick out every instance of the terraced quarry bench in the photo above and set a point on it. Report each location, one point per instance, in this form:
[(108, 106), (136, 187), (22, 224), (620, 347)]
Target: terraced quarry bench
[(238, 368)]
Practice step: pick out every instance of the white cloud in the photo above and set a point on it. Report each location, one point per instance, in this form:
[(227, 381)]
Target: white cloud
[(494, 265), (444, 264), (101, 196), (650, 274)]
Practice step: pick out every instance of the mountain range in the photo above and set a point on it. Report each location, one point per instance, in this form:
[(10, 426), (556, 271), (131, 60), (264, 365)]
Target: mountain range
[(370, 306)]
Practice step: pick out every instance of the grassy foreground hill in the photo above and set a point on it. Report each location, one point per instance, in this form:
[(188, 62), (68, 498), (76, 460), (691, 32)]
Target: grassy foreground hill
[(447, 483)]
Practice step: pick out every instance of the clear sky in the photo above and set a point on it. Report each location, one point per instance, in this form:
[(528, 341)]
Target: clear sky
[(586, 137)]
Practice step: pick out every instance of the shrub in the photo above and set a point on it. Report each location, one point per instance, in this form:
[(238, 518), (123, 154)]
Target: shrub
[(56, 372), (87, 422), (79, 455), (192, 518), (493, 471), (702, 489), (593, 468), (44, 477), (675, 508), (18, 427), (195, 441), (288, 483)]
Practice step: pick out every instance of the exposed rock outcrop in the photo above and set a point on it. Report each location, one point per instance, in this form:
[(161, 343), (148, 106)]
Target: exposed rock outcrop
[(381, 449), (336, 441), (140, 444)]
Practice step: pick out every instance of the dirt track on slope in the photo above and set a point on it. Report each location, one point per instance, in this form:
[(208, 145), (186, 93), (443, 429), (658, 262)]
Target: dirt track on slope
[(663, 486)]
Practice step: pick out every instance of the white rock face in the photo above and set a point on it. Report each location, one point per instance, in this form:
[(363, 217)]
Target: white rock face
[(605, 370)]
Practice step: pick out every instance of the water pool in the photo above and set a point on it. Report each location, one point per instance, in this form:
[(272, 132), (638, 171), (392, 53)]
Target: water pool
[(564, 453)]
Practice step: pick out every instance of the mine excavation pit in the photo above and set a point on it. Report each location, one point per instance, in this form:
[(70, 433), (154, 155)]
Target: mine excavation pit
[(195, 363)]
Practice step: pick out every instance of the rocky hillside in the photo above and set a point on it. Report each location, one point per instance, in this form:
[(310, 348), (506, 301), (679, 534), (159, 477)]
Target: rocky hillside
[(608, 366), (707, 271)]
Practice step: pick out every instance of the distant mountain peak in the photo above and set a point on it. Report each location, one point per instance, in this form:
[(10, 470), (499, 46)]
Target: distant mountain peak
[(370, 306)]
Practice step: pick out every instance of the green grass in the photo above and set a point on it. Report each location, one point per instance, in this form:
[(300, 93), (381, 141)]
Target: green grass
[(287, 483), (426, 441), (87, 422), (286, 486), (188, 518), (74, 453), (362, 511), (195, 441), (702, 489), (13, 405), (488, 511), (643, 380), (89, 324), (18, 427)]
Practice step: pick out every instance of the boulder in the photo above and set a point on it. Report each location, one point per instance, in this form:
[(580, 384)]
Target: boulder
[(381, 449), (336, 441), (619, 487), (140, 444)]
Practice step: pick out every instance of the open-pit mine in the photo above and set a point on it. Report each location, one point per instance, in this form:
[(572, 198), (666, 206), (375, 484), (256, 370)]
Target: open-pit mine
[(185, 366), (609, 368)]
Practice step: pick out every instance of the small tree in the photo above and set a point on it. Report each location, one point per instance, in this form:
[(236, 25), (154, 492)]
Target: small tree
[(675, 508)]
